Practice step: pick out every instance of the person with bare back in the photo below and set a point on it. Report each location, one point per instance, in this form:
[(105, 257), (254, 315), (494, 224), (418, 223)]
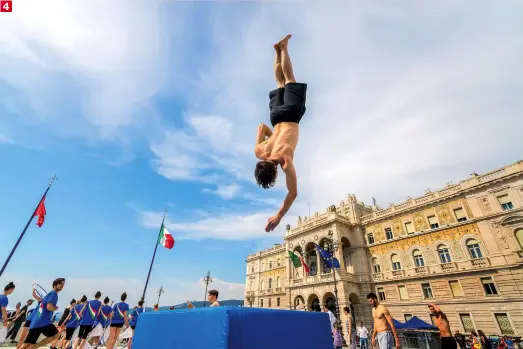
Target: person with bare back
[(384, 332), (442, 323), (273, 148)]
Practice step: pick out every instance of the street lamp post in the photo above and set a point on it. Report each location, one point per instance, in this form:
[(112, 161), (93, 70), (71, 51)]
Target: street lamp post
[(332, 246), (160, 291), (207, 279)]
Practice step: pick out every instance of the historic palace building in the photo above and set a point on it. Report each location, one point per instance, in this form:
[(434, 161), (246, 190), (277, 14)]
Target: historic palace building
[(460, 247)]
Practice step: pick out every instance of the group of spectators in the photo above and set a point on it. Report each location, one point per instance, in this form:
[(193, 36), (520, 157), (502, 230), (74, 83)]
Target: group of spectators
[(478, 340)]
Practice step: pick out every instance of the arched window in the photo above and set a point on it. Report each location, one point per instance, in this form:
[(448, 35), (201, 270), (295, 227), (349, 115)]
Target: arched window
[(278, 282), (262, 284), (261, 303), (444, 254), (314, 269), (370, 238), (418, 258), (474, 249), (396, 264), (252, 268), (519, 237), (270, 264), (279, 263), (270, 282), (376, 265)]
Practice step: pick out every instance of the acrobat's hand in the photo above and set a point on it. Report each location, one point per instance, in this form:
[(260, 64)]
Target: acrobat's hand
[(272, 223)]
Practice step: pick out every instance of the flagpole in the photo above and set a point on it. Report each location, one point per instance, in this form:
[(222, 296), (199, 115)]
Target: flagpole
[(154, 255), (27, 226)]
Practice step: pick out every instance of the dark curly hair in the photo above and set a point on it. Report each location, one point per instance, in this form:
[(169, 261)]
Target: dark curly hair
[(266, 173)]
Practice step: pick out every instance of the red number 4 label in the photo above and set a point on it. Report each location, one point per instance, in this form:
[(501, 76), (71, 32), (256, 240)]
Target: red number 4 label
[(6, 6)]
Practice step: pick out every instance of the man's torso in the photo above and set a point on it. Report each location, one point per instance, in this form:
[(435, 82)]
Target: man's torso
[(43, 316), (282, 142), (442, 324), (380, 323)]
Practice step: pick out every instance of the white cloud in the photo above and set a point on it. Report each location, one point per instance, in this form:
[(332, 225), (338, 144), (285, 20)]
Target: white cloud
[(176, 290), (226, 192)]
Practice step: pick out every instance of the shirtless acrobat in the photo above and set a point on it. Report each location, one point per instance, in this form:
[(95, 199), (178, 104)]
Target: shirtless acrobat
[(273, 148), (383, 325), (442, 323)]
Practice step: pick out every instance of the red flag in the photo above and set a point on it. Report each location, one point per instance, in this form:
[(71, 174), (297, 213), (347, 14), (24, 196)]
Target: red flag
[(305, 266), (40, 212)]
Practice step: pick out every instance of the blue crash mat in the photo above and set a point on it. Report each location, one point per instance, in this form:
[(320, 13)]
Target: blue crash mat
[(232, 328)]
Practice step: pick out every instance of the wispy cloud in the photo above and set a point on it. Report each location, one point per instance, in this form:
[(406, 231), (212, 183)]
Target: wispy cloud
[(5, 139), (226, 192)]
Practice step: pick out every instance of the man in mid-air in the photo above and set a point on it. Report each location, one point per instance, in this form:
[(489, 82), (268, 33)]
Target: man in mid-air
[(273, 148)]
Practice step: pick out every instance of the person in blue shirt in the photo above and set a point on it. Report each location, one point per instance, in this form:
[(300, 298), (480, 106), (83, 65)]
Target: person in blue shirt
[(72, 322), (27, 324), (134, 319), (41, 321), (119, 317), (101, 322), (89, 314), (4, 301)]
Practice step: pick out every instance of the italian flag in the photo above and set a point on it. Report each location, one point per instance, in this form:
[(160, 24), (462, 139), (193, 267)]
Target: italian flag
[(298, 261), (166, 239)]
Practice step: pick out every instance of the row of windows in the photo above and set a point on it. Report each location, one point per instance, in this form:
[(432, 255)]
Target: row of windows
[(409, 226), (270, 284), (455, 288), (269, 305), (270, 265), (473, 249), (504, 202)]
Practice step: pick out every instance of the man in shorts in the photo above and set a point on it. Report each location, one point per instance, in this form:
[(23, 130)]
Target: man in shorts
[(442, 323), (384, 330), (41, 322), (273, 148)]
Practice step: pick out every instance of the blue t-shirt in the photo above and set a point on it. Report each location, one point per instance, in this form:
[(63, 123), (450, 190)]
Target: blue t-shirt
[(135, 314), (90, 312), (103, 317), (43, 316), (119, 310), (74, 321), (3, 303), (32, 312)]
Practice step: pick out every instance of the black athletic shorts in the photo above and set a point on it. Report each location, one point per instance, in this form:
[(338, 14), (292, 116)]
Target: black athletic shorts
[(27, 323), (448, 343), (133, 327), (287, 104), (84, 331), (117, 325), (69, 331), (34, 333)]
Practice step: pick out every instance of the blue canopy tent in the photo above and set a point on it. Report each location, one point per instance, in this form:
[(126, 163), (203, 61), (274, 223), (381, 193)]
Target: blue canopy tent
[(415, 323), (398, 324)]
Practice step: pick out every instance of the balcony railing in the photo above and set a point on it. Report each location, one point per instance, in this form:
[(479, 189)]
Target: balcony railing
[(262, 291), (448, 267), (269, 290), (398, 273), (377, 276), (326, 277), (421, 270), (278, 289), (480, 262), (297, 281)]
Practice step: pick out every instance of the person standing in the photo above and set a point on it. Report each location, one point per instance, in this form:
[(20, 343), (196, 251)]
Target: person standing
[(384, 330), (442, 323), (101, 323), (19, 320), (41, 322), (89, 314), (351, 328), (30, 314), (119, 317), (72, 321), (4, 301), (485, 342), (61, 322), (363, 333), (460, 339), (134, 320)]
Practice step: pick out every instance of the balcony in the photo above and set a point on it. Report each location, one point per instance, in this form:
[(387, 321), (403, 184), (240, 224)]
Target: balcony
[(311, 279), (480, 263), (421, 270), (297, 281), (377, 276), (398, 273), (278, 289), (269, 290), (262, 291), (449, 267), (249, 293), (326, 277)]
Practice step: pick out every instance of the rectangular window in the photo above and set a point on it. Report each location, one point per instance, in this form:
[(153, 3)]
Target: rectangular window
[(466, 321), (504, 323), (404, 294), (433, 222), (407, 317), (270, 302), (488, 285), (460, 215), (427, 291), (370, 238), (261, 303), (456, 289), (409, 228), (381, 293), (377, 268), (505, 202), (278, 301), (388, 234)]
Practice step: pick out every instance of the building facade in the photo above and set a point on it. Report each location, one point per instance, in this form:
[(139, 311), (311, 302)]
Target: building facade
[(460, 247)]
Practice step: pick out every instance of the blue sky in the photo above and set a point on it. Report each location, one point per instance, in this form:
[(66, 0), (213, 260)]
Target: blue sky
[(140, 106)]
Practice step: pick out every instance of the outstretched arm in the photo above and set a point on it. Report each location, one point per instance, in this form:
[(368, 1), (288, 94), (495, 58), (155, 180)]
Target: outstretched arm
[(292, 187)]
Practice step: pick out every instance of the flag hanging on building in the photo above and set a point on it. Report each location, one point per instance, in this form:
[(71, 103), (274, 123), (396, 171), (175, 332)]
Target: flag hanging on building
[(40, 212), (305, 266), (166, 239), (327, 258), (295, 260)]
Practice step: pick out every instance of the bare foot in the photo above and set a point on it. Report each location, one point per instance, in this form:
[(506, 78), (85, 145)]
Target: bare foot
[(282, 44)]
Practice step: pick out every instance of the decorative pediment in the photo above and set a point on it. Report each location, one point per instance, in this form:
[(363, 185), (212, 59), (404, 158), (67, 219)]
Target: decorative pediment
[(511, 220)]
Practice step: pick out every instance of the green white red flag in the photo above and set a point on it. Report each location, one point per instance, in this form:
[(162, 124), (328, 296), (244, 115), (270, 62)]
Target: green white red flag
[(166, 239)]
